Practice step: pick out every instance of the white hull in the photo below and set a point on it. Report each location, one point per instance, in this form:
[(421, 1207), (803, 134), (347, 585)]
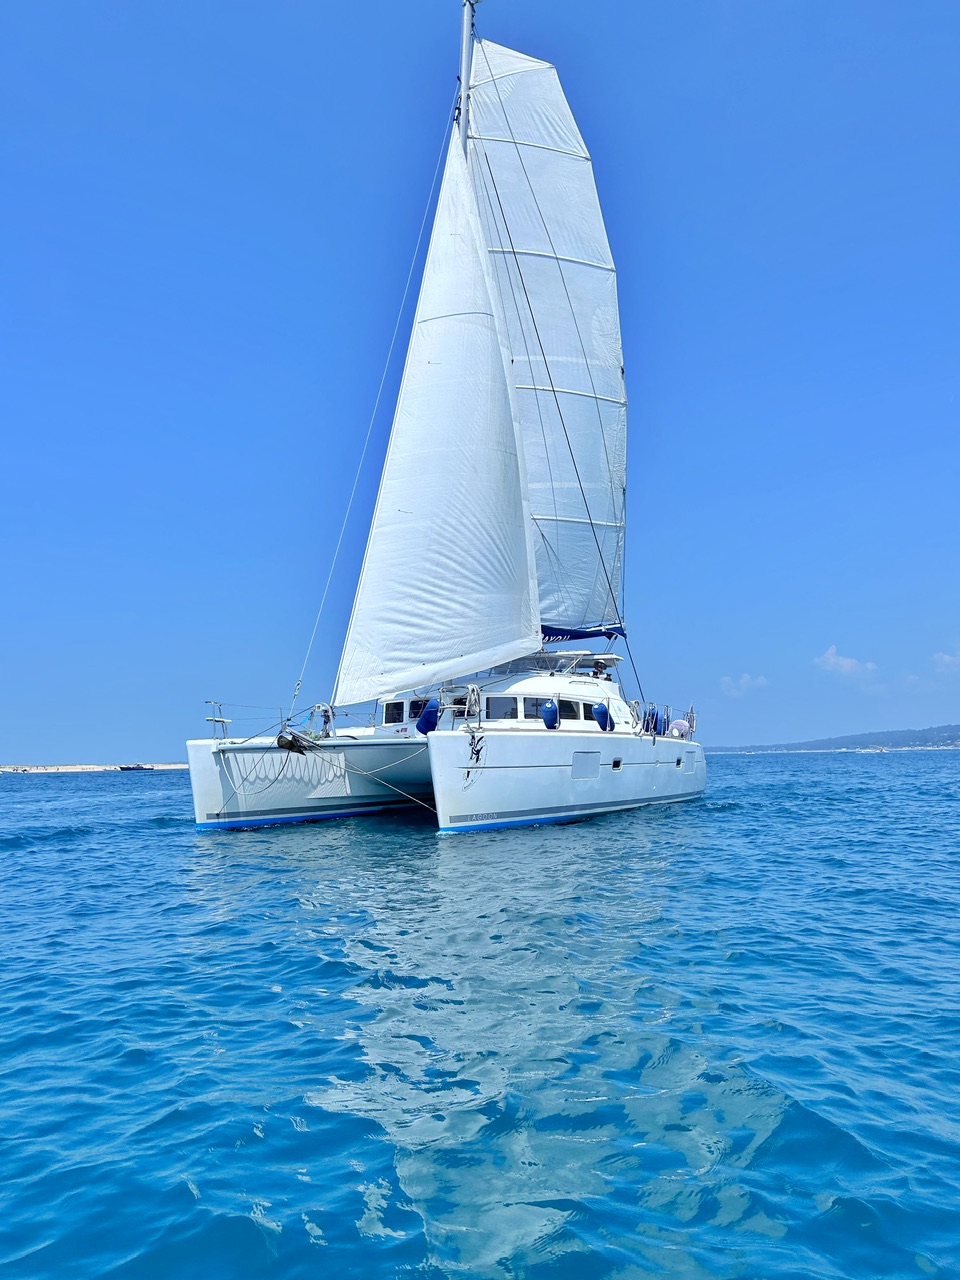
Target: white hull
[(256, 783), (523, 778), (498, 765), (532, 777)]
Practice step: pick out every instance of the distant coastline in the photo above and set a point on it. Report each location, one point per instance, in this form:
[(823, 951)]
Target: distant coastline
[(87, 768), (943, 737)]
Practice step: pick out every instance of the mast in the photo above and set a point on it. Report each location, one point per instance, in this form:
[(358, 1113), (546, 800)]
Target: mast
[(466, 49)]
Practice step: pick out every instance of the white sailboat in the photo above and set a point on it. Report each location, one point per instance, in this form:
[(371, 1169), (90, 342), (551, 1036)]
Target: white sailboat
[(499, 526)]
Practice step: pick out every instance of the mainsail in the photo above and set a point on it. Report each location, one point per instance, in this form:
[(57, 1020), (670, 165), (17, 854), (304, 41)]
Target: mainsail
[(558, 290), (448, 584), (500, 517)]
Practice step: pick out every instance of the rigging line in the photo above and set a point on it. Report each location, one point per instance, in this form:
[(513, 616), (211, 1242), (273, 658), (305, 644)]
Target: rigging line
[(256, 764), (375, 773), (376, 406), (563, 424), (247, 706), (563, 281), (355, 768), (261, 733)]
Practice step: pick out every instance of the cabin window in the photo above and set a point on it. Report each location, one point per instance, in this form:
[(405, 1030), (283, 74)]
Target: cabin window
[(533, 708), (501, 708), (416, 708), (393, 713), (569, 710), (617, 764), (459, 708), (679, 762)]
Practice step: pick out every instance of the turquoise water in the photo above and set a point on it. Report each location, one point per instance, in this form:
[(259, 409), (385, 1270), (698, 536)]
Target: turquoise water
[(719, 1040)]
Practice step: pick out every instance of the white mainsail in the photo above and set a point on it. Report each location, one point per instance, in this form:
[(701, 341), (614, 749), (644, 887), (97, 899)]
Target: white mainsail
[(558, 291), (448, 584)]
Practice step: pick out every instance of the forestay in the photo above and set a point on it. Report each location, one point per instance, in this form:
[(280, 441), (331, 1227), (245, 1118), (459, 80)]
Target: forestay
[(557, 283), (448, 585)]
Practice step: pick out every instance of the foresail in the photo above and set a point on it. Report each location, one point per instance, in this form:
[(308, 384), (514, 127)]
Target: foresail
[(448, 585), (558, 291)]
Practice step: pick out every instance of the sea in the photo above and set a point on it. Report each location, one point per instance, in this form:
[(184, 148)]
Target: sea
[(718, 1039)]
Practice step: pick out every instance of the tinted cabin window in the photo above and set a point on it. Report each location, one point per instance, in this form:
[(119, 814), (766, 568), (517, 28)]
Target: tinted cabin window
[(501, 708), (569, 710), (533, 708), (459, 708), (393, 713), (416, 708)]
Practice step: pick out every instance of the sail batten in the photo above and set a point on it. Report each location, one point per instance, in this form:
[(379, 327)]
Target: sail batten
[(567, 391), (554, 257)]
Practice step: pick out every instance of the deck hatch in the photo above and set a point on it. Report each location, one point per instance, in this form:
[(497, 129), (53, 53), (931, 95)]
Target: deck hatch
[(586, 765)]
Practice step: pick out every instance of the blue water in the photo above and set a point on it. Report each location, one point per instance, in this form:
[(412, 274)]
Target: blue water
[(718, 1040)]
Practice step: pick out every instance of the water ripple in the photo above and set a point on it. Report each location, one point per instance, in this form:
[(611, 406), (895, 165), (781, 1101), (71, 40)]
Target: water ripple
[(721, 1040)]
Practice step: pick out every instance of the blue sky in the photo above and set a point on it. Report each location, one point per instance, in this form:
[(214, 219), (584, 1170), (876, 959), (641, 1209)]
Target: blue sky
[(208, 218)]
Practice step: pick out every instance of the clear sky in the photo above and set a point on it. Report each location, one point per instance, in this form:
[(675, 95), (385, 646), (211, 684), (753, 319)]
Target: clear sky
[(208, 215)]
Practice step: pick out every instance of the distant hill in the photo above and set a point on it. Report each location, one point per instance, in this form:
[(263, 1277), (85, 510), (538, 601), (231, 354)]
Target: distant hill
[(943, 735)]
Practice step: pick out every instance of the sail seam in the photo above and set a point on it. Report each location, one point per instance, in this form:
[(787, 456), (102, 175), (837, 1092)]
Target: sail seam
[(556, 257), (538, 146)]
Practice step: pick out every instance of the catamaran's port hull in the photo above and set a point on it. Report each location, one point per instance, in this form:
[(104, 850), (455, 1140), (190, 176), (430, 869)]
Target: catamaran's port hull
[(526, 779), (256, 784)]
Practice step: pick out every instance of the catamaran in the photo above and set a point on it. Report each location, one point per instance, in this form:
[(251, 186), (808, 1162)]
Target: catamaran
[(498, 533)]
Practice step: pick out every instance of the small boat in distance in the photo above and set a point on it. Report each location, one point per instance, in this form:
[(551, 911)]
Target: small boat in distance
[(499, 528)]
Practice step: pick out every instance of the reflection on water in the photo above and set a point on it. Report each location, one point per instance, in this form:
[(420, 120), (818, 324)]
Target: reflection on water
[(526, 1064)]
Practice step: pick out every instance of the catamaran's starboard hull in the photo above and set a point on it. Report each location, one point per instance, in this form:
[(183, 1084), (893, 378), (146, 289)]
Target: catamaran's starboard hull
[(516, 778), (256, 784)]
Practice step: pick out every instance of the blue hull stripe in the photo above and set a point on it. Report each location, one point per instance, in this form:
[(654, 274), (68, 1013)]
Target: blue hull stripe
[(570, 815), (244, 824), (568, 810)]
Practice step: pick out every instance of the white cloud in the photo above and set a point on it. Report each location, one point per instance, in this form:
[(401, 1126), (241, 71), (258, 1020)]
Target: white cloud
[(833, 661), (737, 688), (947, 661)]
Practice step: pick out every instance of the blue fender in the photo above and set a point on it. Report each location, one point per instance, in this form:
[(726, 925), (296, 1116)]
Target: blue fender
[(429, 717)]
